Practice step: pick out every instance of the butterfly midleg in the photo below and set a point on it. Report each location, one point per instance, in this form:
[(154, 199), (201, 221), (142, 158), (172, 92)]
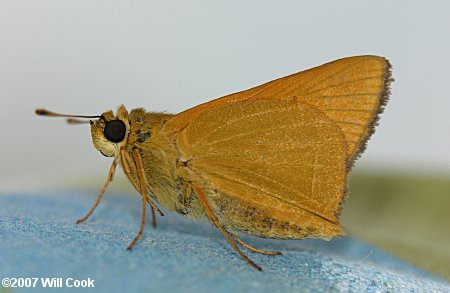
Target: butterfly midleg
[(143, 189), (204, 202), (126, 161), (99, 198)]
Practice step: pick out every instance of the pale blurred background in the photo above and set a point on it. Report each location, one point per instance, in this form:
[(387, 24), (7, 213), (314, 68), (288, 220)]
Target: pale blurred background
[(85, 57)]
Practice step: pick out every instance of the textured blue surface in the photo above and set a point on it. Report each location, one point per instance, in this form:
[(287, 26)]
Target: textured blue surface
[(39, 238)]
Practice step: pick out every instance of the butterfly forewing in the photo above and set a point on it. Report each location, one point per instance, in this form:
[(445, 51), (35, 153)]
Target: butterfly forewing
[(350, 91)]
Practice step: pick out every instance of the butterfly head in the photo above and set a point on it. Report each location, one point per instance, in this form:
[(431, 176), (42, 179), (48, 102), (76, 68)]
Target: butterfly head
[(109, 131)]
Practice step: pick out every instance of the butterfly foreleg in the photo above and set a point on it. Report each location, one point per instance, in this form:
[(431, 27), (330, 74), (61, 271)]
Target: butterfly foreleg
[(99, 198)]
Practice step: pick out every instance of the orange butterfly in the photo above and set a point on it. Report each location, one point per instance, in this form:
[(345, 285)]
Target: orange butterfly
[(271, 161)]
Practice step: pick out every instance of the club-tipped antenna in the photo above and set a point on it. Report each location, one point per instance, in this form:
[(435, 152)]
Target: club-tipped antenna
[(44, 112)]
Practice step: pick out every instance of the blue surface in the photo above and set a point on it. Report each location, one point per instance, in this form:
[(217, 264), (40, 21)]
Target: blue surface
[(39, 238)]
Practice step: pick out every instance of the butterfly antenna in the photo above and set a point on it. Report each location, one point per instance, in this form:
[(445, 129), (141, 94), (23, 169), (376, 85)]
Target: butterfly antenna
[(71, 120)]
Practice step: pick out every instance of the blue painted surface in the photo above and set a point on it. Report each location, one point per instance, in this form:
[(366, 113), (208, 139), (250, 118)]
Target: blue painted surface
[(39, 238)]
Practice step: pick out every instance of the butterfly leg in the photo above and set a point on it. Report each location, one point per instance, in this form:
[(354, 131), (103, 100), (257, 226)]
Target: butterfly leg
[(99, 198), (251, 248), (143, 192), (126, 161), (152, 210), (204, 202)]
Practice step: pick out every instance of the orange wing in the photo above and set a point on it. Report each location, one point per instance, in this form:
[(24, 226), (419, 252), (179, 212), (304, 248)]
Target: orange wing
[(351, 92), (284, 157)]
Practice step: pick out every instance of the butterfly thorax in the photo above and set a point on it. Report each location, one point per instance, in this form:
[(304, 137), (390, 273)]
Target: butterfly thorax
[(158, 155)]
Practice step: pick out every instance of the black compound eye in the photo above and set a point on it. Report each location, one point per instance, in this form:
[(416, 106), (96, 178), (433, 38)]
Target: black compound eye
[(115, 130)]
